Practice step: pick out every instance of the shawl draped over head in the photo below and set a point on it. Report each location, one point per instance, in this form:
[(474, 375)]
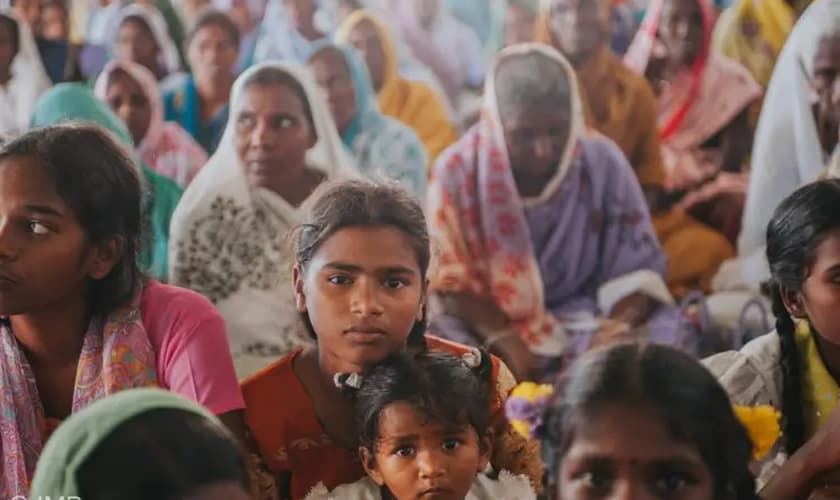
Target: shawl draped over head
[(229, 240), (79, 437), (491, 255), (411, 102), (699, 103), (787, 152), (752, 32), (168, 58), (29, 80), (382, 146), (166, 148)]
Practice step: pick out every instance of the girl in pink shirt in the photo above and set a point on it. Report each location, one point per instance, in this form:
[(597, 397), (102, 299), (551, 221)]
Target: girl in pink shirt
[(78, 321)]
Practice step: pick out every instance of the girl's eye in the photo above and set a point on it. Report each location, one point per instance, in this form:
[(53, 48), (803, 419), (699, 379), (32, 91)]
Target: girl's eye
[(451, 444), (404, 451), (339, 279), (285, 123), (37, 228), (597, 480), (395, 283), (670, 483)]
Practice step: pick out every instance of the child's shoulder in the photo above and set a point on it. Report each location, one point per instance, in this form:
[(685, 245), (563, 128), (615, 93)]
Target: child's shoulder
[(506, 487), (363, 489)]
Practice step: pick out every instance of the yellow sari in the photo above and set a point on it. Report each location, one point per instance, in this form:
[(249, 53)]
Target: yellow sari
[(411, 102), (621, 105)]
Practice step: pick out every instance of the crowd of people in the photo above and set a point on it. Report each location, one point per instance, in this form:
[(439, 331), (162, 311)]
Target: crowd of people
[(398, 249)]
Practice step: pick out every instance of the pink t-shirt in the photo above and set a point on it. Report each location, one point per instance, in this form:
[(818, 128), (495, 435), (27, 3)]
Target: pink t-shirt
[(190, 339)]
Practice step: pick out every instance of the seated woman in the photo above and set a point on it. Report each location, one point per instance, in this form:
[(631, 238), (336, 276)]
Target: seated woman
[(22, 75), (412, 102), (540, 225), (753, 33), (362, 254), (382, 146), (797, 131), (133, 94), (185, 452), (620, 104), (79, 320), (230, 229), (200, 103), (704, 103), (795, 369), (76, 102), (288, 32), (520, 20), (141, 36)]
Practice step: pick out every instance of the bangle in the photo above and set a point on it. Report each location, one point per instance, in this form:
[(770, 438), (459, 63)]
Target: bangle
[(497, 336)]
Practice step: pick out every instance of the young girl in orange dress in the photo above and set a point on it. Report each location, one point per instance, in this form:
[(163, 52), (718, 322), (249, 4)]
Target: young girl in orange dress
[(360, 287)]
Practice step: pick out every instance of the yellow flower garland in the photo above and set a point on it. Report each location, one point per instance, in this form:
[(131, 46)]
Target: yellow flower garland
[(762, 424)]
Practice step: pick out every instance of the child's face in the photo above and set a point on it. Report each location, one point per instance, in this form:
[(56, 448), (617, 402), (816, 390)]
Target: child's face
[(417, 458), (45, 258), (363, 292), (627, 452)]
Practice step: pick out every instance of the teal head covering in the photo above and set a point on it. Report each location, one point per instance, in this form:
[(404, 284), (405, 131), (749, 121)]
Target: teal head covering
[(80, 435), (77, 102), (368, 118)]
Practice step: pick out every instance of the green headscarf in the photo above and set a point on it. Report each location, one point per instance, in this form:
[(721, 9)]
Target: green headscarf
[(79, 436), (76, 102)]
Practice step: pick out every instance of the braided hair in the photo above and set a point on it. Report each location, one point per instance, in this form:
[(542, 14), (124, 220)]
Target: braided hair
[(798, 226), (694, 406)]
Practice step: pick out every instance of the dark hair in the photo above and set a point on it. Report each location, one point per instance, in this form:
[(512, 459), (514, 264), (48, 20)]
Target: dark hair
[(140, 21), (690, 400), (165, 454), (272, 75), (440, 385), (14, 30), (798, 227), (100, 183), (212, 17), (364, 203)]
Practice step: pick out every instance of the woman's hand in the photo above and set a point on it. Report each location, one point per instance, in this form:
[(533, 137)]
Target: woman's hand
[(634, 310), (811, 469)]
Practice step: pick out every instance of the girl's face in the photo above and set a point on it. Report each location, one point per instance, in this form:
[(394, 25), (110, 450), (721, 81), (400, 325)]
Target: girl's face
[(826, 85), (416, 457), (46, 260), (819, 298), (626, 452), (136, 43), (333, 76), (212, 54), (363, 292), (8, 45), (273, 135), (54, 24), (126, 98)]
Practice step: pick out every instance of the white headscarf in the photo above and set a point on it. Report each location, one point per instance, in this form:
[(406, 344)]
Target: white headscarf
[(787, 152), (29, 80), (169, 58), (229, 240)]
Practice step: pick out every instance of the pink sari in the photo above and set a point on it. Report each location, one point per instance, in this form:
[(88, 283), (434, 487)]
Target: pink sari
[(696, 105), (116, 355), (166, 148)]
